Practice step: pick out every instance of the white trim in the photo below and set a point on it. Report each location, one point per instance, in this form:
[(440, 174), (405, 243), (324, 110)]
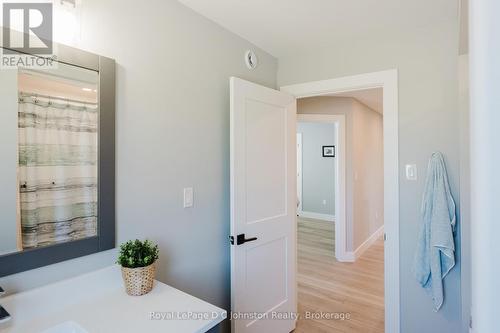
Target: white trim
[(388, 80), (351, 256), (318, 216), (347, 256), (368, 242), (340, 177), (299, 172)]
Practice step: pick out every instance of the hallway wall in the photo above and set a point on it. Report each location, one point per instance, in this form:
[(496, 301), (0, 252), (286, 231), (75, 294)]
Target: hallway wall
[(318, 172)]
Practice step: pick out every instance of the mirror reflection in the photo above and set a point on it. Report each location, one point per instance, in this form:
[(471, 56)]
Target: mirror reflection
[(57, 165)]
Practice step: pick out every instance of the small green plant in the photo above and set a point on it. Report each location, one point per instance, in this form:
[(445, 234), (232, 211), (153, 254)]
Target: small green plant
[(135, 254)]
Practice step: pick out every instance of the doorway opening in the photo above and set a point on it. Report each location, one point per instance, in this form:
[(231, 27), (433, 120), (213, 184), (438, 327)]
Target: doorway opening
[(383, 242), (340, 248)]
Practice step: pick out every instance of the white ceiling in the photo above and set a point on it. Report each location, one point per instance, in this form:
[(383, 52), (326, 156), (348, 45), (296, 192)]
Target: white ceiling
[(373, 98), (45, 85), (282, 27)]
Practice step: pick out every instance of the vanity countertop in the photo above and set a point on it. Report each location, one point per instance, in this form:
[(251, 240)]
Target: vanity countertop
[(98, 303)]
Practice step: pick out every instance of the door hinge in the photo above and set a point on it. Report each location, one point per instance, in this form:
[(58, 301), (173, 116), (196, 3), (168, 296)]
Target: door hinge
[(231, 240), (470, 322), (385, 236)]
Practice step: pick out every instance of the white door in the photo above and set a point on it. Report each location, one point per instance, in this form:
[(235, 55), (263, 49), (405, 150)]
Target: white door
[(299, 173), (263, 208)]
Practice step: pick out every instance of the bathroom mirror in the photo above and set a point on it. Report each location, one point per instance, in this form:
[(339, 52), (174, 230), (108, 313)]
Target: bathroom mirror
[(57, 150)]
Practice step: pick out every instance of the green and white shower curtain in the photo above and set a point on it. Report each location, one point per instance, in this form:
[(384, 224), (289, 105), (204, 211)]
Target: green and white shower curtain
[(57, 170)]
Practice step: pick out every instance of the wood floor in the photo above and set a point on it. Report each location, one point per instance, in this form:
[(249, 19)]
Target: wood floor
[(325, 285)]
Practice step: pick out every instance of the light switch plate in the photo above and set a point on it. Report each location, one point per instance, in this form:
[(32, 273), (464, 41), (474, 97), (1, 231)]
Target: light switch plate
[(188, 197), (411, 171)]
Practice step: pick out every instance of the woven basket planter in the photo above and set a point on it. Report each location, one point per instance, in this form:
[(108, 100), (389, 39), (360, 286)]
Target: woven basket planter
[(138, 281)]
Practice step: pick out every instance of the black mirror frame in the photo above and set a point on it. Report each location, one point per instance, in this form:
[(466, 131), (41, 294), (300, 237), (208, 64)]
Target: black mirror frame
[(33, 258)]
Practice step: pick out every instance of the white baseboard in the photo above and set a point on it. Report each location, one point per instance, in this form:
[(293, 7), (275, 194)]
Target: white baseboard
[(366, 244), (318, 216), (346, 257)]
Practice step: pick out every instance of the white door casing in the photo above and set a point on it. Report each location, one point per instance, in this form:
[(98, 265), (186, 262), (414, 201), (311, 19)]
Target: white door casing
[(263, 205), (388, 80), (299, 172)]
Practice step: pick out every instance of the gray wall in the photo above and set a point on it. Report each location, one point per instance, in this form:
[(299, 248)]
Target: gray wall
[(318, 172), (8, 165), (428, 121), (173, 69)]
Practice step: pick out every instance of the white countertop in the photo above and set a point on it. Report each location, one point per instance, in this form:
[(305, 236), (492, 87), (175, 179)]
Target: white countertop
[(98, 303)]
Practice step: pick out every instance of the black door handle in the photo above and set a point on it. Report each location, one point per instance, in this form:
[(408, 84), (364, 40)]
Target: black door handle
[(240, 239)]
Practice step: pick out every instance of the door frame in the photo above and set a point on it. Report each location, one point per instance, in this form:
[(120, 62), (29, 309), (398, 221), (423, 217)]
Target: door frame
[(299, 172), (340, 225), (388, 80)]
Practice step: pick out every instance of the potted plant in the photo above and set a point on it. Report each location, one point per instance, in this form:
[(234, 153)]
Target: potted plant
[(138, 266)]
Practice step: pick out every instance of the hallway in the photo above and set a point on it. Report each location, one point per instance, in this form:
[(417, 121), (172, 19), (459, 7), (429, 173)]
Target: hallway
[(328, 286)]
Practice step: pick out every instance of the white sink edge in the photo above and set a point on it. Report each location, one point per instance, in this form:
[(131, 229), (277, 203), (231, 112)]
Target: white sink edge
[(58, 282), (65, 327)]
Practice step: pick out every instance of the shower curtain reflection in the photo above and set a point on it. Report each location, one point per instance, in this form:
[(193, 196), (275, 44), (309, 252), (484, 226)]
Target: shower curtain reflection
[(57, 170)]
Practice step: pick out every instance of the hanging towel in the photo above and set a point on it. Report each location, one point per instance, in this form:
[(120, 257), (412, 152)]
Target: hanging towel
[(435, 255)]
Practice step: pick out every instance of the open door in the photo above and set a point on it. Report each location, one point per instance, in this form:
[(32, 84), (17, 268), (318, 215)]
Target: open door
[(263, 208)]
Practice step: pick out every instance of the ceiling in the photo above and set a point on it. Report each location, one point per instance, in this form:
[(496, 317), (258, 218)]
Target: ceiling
[(373, 98), (282, 27), (45, 85)]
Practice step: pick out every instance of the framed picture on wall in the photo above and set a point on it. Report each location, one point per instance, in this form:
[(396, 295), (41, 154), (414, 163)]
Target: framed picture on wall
[(328, 151)]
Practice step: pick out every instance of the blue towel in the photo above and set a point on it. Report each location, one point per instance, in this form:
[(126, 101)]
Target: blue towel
[(435, 255)]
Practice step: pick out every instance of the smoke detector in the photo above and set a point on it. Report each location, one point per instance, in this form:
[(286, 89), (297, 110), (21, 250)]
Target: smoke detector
[(251, 59)]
